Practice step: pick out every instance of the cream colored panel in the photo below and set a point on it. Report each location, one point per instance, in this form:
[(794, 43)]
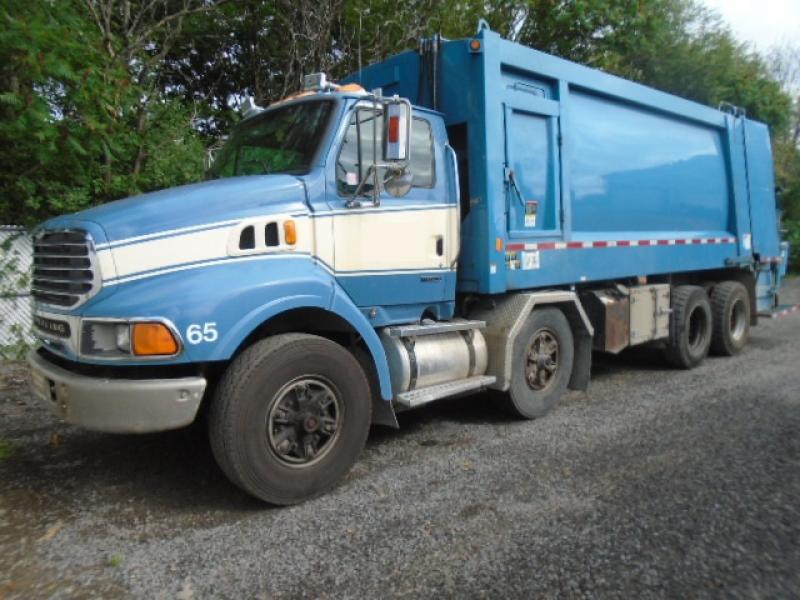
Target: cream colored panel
[(452, 242), (201, 246), (158, 254), (392, 239), (106, 263), (303, 227), (324, 246)]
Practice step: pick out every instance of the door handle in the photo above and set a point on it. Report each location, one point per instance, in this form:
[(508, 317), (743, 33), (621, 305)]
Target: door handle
[(439, 245), (512, 180)]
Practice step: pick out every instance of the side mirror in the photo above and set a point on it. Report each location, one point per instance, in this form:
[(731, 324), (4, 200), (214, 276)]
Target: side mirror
[(397, 130), (398, 182)]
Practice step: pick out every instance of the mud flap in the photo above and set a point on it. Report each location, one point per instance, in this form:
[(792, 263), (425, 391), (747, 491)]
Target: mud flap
[(383, 412), (582, 365)]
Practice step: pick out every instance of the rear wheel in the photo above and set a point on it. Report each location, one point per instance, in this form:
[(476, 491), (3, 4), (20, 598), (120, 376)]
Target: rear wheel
[(730, 308), (290, 417), (690, 327), (542, 363)]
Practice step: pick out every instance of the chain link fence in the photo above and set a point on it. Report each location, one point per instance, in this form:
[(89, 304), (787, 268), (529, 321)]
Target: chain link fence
[(16, 258)]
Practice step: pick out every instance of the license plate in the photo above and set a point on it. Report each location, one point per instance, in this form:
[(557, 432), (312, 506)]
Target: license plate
[(51, 326)]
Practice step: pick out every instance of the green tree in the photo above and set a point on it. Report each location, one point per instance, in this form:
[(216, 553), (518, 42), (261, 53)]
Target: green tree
[(84, 119)]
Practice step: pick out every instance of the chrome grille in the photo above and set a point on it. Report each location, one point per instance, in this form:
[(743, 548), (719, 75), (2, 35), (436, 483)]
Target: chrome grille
[(63, 268)]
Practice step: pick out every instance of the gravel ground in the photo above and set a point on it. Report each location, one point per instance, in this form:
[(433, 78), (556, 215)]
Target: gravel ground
[(657, 483)]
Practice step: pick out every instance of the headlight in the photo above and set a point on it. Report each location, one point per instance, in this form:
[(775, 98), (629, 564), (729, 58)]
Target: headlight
[(126, 339), (108, 339)]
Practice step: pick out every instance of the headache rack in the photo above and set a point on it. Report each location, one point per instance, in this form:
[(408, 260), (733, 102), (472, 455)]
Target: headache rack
[(64, 272)]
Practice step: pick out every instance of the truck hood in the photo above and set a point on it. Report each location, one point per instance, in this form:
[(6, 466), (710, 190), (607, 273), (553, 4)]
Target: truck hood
[(192, 205)]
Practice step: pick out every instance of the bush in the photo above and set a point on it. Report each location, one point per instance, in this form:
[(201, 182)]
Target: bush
[(792, 228)]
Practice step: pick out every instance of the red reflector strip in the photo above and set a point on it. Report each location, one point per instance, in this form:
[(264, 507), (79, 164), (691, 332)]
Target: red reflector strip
[(518, 247), (394, 129), (782, 313)]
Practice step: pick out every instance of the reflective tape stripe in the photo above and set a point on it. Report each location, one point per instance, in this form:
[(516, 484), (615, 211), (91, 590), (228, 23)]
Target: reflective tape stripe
[(516, 247)]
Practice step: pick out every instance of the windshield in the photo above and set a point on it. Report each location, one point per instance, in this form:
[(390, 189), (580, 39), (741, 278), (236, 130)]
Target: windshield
[(282, 140)]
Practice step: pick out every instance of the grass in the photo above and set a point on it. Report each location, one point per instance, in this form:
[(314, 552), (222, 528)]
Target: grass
[(7, 448), (115, 560)]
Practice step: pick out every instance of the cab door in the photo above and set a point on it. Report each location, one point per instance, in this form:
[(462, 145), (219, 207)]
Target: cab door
[(532, 174), (400, 252)]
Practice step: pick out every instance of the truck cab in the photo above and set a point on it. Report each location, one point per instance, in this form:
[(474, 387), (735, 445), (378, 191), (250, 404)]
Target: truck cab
[(303, 225)]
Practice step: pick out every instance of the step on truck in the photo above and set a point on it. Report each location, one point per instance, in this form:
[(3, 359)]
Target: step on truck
[(474, 215)]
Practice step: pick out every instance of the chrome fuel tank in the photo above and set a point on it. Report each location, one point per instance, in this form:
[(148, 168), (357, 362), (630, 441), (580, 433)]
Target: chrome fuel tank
[(426, 360)]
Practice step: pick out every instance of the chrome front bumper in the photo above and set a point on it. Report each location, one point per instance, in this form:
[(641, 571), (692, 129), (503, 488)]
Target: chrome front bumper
[(116, 405)]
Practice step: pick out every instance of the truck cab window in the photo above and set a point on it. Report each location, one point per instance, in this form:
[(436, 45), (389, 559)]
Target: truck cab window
[(281, 140), (355, 158), (422, 162), (358, 151)]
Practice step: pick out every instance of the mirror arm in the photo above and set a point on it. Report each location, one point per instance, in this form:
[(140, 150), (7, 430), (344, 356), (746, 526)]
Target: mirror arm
[(398, 167), (376, 200), (372, 171)]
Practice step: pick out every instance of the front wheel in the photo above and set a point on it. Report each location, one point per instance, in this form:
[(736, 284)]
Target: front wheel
[(290, 417)]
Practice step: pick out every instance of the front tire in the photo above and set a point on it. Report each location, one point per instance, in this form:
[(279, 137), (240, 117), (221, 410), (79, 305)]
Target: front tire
[(290, 417), (543, 355)]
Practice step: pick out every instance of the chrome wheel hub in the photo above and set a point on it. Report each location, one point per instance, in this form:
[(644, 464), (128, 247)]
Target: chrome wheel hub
[(542, 360), (304, 421)]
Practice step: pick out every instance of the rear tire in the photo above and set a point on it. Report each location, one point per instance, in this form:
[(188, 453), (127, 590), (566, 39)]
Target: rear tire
[(730, 308), (290, 417), (690, 327), (541, 366)]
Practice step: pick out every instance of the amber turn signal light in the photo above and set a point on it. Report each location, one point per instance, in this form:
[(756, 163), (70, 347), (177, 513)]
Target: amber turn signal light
[(290, 232), (153, 339)]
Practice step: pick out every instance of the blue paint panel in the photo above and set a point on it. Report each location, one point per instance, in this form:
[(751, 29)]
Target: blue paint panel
[(636, 170), (396, 75), (533, 194), (194, 205), (392, 289), (761, 184)]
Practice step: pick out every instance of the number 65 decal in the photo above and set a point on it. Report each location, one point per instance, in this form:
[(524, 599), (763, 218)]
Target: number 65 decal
[(195, 334)]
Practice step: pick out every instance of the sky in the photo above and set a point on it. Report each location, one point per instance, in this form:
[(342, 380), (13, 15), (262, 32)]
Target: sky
[(761, 22)]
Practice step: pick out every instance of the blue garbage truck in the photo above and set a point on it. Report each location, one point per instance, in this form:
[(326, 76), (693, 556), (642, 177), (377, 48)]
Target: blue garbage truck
[(472, 215)]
